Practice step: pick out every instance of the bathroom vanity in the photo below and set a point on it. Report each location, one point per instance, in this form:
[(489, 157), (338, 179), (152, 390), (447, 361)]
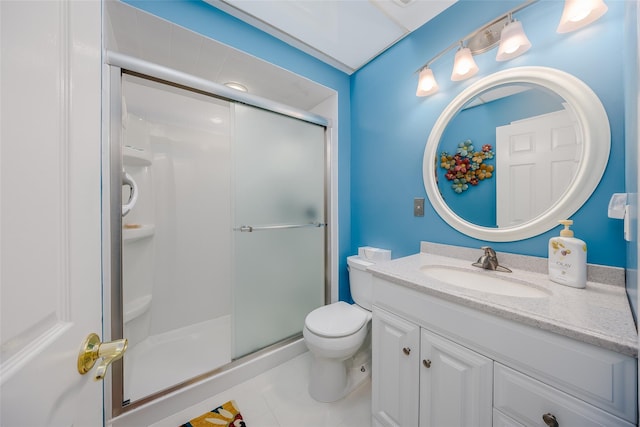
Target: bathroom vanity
[(528, 352)]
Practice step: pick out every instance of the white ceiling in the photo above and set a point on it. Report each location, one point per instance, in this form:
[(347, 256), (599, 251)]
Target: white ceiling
[(132, 32), (354, 26), (343, 33)]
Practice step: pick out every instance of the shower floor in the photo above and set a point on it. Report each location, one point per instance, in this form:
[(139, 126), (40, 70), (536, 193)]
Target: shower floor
[(164, 360)]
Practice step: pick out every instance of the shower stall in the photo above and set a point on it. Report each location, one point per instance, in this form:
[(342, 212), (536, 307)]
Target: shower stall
[(219, 249)]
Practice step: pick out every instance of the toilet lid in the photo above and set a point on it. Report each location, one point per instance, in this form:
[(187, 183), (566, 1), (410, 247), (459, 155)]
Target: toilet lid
[(336, 320)]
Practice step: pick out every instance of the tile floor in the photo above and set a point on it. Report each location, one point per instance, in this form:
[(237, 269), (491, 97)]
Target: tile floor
[(279, 398)]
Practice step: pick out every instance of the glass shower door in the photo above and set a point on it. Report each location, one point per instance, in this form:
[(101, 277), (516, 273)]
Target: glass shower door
[(279, 233)]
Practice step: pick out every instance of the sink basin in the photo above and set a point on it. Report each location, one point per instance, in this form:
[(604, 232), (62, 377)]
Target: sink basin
[(484, 281)]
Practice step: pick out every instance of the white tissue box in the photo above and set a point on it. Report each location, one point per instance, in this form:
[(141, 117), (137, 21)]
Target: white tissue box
[(374, 254)]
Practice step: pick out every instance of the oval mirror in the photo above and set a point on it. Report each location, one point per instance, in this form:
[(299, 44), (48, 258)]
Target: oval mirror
[(515, 152)]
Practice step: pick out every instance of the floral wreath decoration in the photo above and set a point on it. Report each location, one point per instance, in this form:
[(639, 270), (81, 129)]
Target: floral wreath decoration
[(467, 166)]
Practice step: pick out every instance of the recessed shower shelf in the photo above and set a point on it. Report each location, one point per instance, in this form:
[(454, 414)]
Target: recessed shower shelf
[(140, 232), (135, 308), (135, 156)]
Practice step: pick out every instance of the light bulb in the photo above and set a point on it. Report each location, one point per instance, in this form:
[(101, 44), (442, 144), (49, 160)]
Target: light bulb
[(427, 84), (579, 13), (513, 42), (464, 66), (511, 46)]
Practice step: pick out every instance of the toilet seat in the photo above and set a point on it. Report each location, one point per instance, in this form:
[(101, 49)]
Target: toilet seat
[(336, 320)]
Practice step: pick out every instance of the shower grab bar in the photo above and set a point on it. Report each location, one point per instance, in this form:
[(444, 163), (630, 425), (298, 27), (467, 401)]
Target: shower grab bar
[(250, 229)]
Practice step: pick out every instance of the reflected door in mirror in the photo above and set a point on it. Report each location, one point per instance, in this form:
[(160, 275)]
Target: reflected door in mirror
[(537, 159)]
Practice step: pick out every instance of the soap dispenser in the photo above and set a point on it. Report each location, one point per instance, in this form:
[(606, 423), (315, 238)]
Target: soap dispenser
[(568, 258)]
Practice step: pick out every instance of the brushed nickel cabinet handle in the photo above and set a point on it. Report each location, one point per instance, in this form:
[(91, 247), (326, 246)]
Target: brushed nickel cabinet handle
[(426, 363), (406, 351), (550, 420)]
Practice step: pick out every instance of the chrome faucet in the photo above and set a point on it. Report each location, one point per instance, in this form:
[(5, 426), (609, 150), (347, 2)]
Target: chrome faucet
[(489, 261)]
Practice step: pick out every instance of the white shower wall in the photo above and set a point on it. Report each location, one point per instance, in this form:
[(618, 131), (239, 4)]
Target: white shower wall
[(138, 246), (193, 227), (177, 238)]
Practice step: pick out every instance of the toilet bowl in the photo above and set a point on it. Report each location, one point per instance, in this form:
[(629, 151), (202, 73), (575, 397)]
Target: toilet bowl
[(338, 335), (332, 342)]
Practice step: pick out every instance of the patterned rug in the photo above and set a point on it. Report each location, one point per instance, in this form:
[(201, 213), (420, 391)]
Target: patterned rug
[(227, 415)]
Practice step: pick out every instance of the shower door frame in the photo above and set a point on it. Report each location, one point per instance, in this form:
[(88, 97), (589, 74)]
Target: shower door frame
[(116, 65)]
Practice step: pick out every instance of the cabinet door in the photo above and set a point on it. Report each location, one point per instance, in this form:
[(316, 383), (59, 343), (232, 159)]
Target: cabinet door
[(456, 384), (396, 347)]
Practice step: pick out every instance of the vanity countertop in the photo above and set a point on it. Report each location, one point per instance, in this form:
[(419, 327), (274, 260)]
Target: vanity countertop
[(598, 314)]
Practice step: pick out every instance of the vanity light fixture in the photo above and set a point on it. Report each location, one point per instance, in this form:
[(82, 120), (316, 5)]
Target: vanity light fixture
[(579, 13), (513, 41), (463, 66), (510, 34)]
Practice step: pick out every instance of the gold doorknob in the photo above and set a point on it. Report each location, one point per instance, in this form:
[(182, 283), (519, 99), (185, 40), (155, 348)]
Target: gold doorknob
[(92, 350)]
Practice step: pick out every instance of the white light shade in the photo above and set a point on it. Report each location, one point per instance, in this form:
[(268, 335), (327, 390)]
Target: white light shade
[(464, 66), (427, 84), (513, 42), (578, 13)]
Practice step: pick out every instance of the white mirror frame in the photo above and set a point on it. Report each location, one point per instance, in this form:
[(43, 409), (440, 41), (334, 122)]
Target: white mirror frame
[(593, 122)]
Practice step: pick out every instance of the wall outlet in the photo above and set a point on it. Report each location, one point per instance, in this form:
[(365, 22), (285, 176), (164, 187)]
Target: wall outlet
[(418, 206)]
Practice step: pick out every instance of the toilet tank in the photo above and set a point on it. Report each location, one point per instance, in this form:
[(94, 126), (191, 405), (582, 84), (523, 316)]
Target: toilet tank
[(360, 280)]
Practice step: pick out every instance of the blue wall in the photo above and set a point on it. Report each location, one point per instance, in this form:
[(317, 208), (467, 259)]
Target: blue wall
[(390, 125)]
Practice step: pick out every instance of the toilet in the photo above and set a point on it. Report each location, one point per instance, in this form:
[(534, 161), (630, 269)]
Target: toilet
[(338, 335)]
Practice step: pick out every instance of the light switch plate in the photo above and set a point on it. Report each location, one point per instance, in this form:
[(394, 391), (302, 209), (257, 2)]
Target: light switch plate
[(418, 206)]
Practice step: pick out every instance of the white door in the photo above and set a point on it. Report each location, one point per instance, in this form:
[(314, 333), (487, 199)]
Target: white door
[(50, 213), (456, 384), (536, 160)]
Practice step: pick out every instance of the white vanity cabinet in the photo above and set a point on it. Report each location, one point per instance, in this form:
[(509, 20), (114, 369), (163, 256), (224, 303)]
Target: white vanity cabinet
[(438, 363), (422, 379)]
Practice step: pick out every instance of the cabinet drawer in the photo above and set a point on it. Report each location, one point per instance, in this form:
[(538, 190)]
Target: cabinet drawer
[(501, 420), (526, 400)]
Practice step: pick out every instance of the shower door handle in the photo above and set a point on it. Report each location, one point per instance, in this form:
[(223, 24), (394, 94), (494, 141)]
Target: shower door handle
[(250, 229)]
